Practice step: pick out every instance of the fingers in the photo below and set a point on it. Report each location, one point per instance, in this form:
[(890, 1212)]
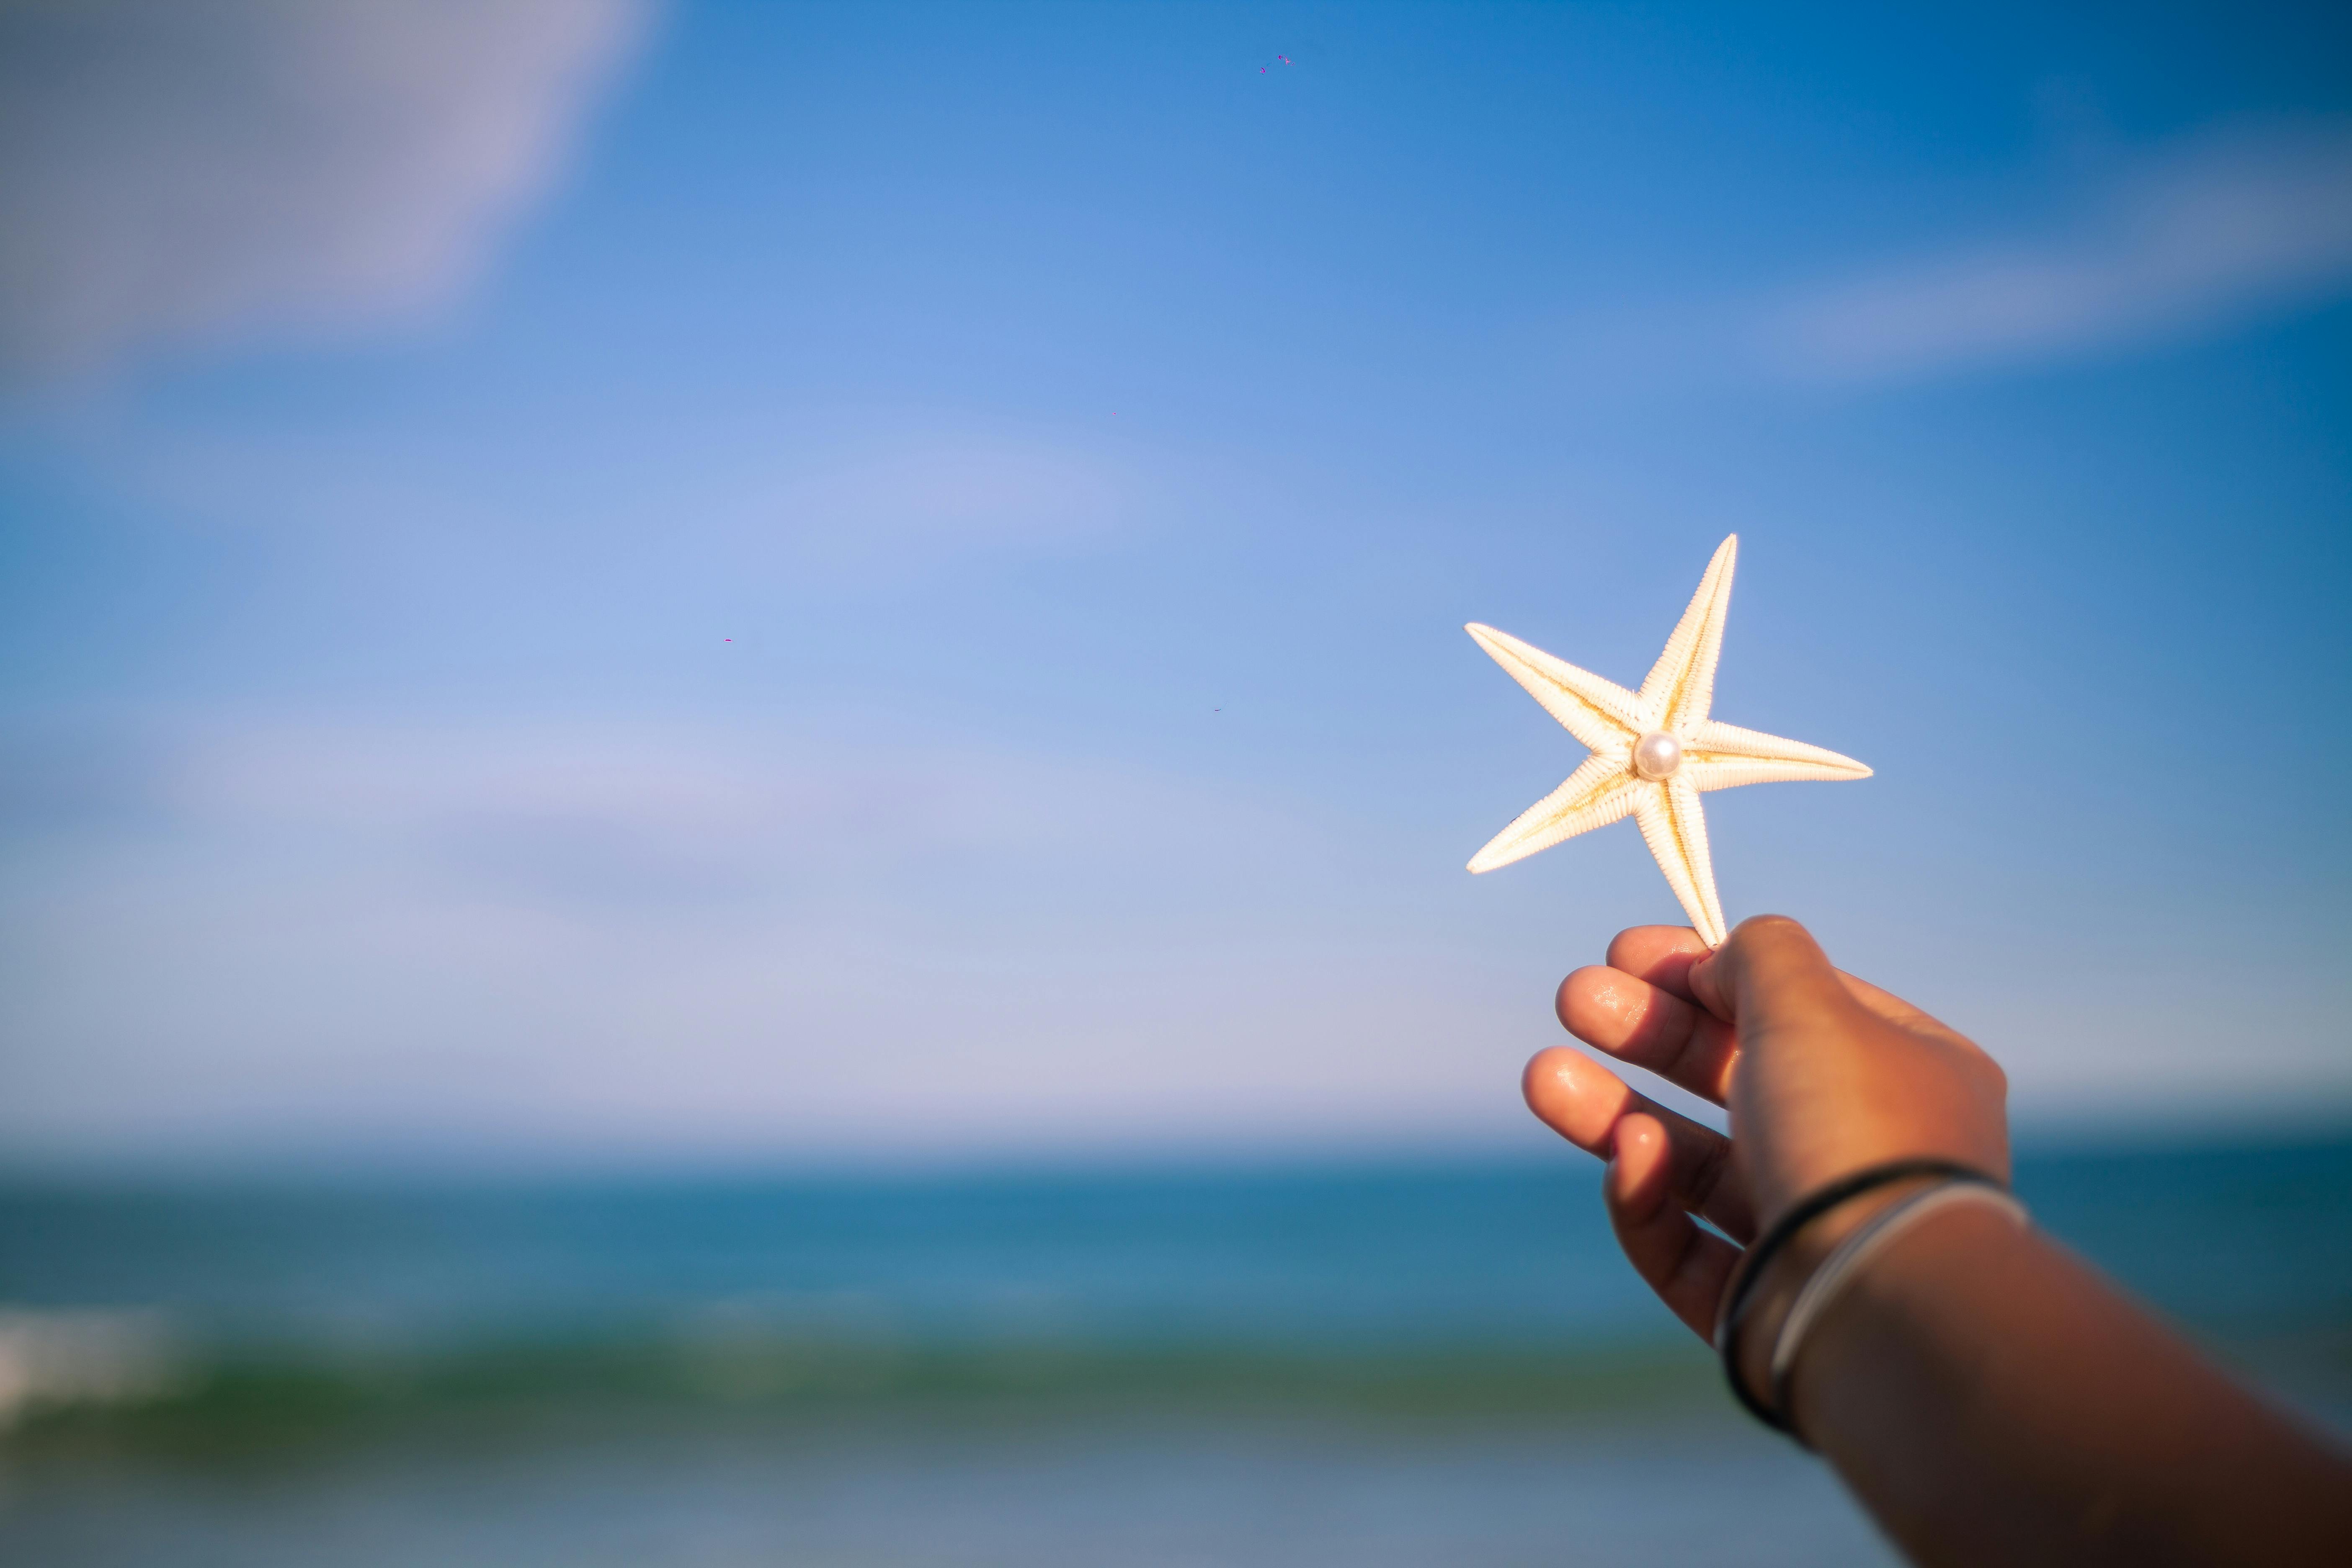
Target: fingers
[(1638, 1021), (1665, 955), (1770, 973), (1584, 1102), (1662, 955), (1687, 1266), (1674, 958)]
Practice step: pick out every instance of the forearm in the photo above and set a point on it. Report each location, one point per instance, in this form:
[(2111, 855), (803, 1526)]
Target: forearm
[(1994, 1401)]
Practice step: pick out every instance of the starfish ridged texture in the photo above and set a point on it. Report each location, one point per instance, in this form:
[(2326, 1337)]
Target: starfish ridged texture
[(1654, 751)]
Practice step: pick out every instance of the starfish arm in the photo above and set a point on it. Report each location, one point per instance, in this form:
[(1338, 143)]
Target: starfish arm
[(1680, 687), (1676, 827), (1724, 756), (1601, 792), (1601, 713)]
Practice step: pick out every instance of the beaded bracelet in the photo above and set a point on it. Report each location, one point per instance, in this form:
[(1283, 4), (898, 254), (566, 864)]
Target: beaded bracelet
[(1730, 1319)]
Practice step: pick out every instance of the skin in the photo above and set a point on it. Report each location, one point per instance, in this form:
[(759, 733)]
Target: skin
[(1988, 1396)]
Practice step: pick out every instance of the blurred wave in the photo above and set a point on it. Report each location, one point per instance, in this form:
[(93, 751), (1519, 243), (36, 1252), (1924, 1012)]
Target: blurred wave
[(529, 1393), (51, 1360)]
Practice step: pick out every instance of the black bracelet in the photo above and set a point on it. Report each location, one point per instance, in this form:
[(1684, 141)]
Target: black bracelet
[(1752, 1264)]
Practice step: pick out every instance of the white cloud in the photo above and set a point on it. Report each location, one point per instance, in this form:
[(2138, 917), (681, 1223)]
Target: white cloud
[(779, 496), (2211, 231), (939, 494), (189, 171), (470, 807), (625, 936)]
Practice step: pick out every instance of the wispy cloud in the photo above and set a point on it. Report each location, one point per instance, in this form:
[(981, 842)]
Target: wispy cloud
[(780, 494), (654, 812), (670, 935), (186, 172), (2209, 232), (940, 495)]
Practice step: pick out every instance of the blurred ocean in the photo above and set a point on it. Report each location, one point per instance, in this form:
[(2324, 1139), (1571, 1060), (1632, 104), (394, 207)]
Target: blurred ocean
[(1401, 1364)]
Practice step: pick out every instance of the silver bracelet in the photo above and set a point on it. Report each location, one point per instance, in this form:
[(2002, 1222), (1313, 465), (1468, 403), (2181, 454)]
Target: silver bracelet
[(1840, 1267)]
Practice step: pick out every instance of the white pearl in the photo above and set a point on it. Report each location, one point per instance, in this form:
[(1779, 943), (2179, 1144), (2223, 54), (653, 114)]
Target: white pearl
[(1657, 755)]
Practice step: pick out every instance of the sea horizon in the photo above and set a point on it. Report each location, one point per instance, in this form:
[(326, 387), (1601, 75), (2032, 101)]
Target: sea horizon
[(411, 1160)]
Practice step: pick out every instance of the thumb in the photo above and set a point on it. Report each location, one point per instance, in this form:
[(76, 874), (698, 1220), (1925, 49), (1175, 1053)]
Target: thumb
[(1769, 972)]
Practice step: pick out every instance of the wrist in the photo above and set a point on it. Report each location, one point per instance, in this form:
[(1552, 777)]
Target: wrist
[(1811, 1248), (1784, 1276)]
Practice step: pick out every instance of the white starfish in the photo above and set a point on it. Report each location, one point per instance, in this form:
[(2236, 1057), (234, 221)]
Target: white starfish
[(1654, 751)]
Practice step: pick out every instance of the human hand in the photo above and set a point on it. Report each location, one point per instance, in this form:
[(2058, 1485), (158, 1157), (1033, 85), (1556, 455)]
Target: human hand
[(1824, 1074)]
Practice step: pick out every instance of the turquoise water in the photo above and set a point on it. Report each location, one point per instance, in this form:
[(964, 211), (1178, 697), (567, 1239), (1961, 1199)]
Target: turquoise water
[(1360, 1365), (2242, 1239)]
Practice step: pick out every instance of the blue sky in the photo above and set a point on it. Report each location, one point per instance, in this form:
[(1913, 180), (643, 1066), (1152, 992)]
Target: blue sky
[(759, 581)]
